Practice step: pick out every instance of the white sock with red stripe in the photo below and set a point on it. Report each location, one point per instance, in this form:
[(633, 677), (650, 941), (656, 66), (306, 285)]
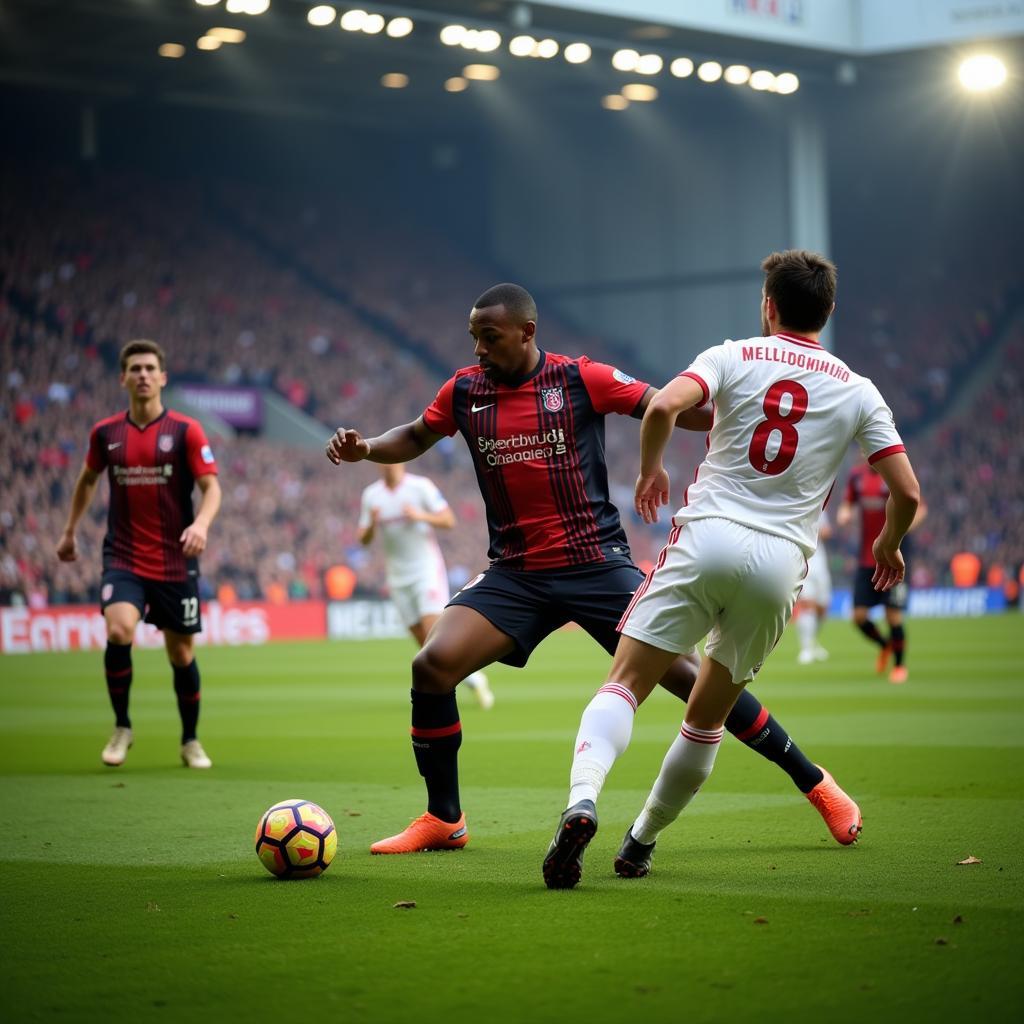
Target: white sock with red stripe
[(687, 764), (604, 733)]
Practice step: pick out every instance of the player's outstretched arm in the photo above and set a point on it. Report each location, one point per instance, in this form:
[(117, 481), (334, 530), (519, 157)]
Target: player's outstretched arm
[(399, 444), (81, 497), (900, 512), (652, 485)]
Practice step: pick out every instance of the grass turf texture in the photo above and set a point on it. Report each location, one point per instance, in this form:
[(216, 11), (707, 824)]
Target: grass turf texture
[(136, 891)]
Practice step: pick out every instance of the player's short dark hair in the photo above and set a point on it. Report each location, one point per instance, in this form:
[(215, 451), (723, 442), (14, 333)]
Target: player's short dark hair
[(134, 348), (516, 299), (802, 285)]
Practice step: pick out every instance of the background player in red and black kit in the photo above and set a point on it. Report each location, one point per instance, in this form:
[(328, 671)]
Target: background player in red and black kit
[(153, 457), (534, 422), (867, 492)]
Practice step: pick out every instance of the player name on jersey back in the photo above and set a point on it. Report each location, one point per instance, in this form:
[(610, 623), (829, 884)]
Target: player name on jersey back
[(800, 360)]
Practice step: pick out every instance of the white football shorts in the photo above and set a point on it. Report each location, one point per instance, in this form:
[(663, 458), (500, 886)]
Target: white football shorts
[(426, 595), (720, 580), (818, 585)]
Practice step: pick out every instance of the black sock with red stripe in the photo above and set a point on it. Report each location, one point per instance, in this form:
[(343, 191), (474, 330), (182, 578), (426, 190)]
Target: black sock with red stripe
[(870, 630), (436, 738), (898, 639), (186, 689), (117, 663), (751, 724)]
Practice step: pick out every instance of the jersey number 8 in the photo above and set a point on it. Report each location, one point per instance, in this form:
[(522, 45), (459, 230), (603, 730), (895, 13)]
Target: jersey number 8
[(784, 423)]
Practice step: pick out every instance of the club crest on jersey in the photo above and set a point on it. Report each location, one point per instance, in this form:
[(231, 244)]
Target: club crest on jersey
[(165, 443), (554, 398)]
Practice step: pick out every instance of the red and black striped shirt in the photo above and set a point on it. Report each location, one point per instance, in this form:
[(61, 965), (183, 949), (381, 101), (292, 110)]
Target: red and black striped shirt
[(538, 450), (152, 471)]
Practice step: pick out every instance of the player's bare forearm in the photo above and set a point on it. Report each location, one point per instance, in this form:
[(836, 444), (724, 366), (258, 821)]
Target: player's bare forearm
[(904, 495), (443, 520), (663, 412), (209, 503), (700, 418), (399, 444), (81, 498)]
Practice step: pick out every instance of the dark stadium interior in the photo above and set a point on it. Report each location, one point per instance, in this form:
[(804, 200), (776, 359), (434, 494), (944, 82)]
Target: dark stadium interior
[(274, 218)]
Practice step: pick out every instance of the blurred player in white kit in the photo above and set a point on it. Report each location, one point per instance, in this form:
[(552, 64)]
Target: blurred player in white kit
[(816, 596), (405, 509)]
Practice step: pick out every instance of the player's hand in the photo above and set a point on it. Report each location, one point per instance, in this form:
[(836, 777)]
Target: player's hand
[(347, 446), (650, 492), (889, 566), (67, 548), (193, 540)]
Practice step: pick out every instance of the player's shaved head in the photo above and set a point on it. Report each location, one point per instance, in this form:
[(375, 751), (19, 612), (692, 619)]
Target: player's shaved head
[(802, 285), (517, 301)]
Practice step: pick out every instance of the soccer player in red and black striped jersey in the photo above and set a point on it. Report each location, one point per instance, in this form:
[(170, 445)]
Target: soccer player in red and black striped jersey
[(154, 457), (868, 493), (534, 423)]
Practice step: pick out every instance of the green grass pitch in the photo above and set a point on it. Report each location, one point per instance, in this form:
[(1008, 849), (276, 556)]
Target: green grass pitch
[(134, 893)]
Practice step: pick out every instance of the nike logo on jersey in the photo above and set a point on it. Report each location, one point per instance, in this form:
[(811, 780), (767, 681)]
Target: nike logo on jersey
[(480, 408), (111, 447)]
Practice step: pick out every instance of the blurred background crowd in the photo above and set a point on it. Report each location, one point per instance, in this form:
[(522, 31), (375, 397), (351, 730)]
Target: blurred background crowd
[(356, 319)]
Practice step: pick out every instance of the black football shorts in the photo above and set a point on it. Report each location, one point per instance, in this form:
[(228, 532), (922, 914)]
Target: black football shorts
[(172, 605)]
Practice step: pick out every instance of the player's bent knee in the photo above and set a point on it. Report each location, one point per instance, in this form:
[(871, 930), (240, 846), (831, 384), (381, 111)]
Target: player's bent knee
[(433, 671)]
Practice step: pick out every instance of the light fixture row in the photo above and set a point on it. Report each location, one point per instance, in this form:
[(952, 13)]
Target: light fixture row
[(253, 7)]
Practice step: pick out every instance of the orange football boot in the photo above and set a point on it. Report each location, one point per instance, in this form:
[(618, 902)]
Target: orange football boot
[(898, 675), (426, 832), (883, 659), (841, 814)]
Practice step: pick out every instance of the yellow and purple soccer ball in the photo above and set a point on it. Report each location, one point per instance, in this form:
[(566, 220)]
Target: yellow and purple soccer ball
[(296, 839)]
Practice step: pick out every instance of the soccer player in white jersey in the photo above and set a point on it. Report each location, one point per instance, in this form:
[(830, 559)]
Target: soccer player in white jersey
[(785, 413), (815, 597), (405, 509)]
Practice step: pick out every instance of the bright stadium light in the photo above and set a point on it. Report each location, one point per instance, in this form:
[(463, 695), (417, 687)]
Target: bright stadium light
[(982, 72), (649, 64), (640, 92), (456, 84), (762, 81), (207, 3), (786, 83), (709, 71), (522, 46), (546, 48), (577, 53), (488, 40), (625, 60), (172, 50), (227, 35), (399, 27), (208, 43), (257, 6), (614, 102), (737, 74), (353, 21), (373, 23), (452, 35), (470, 38), (681, 67), (481, 72), (394, 80), (323, 14), (235, 6)]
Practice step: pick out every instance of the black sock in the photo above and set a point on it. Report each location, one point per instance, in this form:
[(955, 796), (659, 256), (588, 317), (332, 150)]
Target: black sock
[(898, 639), (870, 630), (117, 662), (751, 724), (436, 738), (186, 688)]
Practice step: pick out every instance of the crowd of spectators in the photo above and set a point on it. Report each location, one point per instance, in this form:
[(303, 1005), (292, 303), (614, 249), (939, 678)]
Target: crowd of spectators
[(88, 265)]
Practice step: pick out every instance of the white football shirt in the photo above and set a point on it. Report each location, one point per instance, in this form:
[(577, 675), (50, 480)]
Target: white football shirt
[(786, 411), (410, 548)]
